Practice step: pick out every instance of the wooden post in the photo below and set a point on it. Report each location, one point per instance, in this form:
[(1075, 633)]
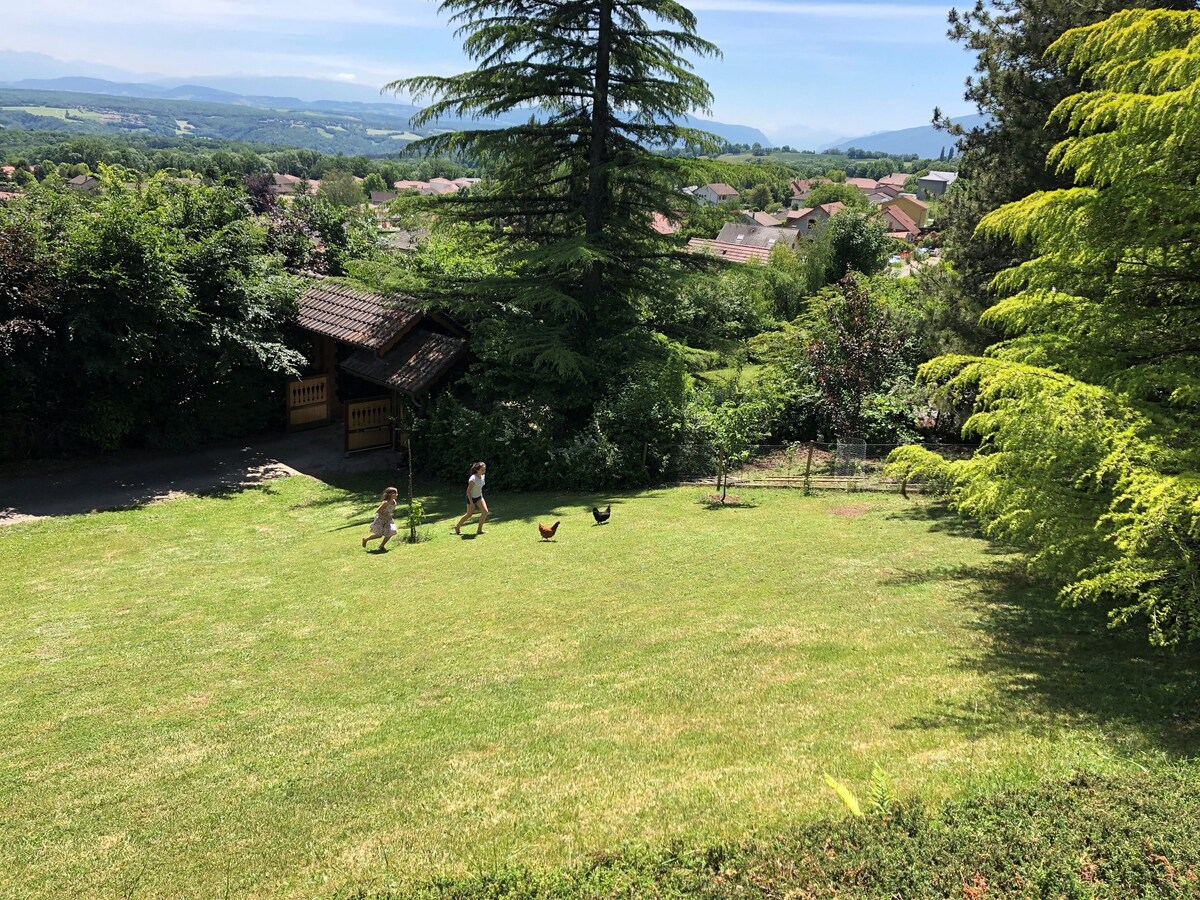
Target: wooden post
[(808, 469)]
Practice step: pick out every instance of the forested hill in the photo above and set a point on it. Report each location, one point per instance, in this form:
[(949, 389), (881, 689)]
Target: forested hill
[(352, 128)]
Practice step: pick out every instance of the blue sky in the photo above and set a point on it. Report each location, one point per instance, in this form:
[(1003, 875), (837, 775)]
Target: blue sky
[(790, 67)]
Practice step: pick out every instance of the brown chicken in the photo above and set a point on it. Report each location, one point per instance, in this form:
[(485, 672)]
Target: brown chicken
[(547, 533)]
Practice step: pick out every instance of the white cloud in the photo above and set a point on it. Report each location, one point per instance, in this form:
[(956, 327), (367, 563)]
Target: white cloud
[(871, 11), (344, 76), (277, 16)]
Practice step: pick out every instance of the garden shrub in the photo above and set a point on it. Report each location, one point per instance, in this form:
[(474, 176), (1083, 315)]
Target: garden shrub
[(1090, 836)]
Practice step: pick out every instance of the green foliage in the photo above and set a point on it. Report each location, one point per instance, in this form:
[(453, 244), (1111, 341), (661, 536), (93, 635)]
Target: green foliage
[(852, 240), (1017, 85), (415, 518), (833, 192), (1131, 835), (147, 316), (735, 421), (1089, 412), (854, 350), (340, 189), (846, 795)]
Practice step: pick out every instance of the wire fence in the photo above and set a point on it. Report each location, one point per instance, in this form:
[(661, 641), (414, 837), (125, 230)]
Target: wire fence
[(825, 466)]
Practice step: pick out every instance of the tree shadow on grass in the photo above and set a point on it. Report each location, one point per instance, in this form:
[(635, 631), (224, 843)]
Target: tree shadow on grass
[(1052, 667), (446, 502)]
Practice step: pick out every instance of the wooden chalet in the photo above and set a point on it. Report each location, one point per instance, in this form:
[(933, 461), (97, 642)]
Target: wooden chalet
[(372, 356)]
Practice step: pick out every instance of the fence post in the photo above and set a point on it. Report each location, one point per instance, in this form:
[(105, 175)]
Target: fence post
[(808, 469)]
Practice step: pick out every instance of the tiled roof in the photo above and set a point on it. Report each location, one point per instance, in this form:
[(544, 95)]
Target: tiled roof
[(730, 252), (662, 224), (413, 366), (902, 220), (896, 179), (722, 190), (756, 235), (9, 195), (863, 184), (378, 197), (763, 218), (353, 316)]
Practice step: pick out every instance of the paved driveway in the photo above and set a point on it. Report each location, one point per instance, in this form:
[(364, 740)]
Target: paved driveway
[(61, 489)]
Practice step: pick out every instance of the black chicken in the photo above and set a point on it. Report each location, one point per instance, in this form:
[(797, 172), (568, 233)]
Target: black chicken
[(602, 517)]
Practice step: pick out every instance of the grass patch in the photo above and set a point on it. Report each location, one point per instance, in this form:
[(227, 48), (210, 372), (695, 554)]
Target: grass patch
[(749, 374), (227, 695)]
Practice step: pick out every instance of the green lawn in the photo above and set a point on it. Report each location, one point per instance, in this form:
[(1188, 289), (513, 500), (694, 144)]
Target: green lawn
[(227, 697)]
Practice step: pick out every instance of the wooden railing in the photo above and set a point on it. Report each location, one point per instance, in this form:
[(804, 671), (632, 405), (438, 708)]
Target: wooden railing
[(369, 424), (308, 402)]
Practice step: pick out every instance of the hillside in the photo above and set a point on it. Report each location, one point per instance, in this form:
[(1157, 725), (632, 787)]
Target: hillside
[(354, 127), (925, 140)]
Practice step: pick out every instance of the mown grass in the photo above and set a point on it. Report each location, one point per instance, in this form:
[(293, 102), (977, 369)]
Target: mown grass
[(227, 696)]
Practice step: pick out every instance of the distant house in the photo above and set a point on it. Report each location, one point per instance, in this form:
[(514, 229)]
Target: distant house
[(284, 185), (729, 252), (899, 224), (761, 218), (378, 198), (802, 186), (87, 184), (765, 237), (435, 187), (896, 180), (5, 196), (917, 210), (866, 185), (662, 224), (935, 184), (715, 194), (807, 221)]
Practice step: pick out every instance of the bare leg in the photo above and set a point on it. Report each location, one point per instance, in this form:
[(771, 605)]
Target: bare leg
[(369, 537), (463, 521), (483, 515)]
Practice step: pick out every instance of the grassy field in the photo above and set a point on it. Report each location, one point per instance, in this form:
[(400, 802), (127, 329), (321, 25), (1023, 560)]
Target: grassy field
[(55, 112), (226, 696)]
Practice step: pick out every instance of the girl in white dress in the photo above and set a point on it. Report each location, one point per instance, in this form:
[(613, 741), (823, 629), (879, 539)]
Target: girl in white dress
[(475, 498), (383, 525)]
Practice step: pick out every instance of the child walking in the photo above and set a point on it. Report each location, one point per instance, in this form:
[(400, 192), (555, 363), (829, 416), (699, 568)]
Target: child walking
[(383, 526), (475, 498)]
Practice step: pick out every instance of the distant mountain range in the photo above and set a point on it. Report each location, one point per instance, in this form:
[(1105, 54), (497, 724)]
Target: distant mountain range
[(303, 95), (38, 72), (925, 140)]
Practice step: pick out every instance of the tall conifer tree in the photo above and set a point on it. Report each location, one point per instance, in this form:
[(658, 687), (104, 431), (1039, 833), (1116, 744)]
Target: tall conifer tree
[(1089, 411), (572, 189)]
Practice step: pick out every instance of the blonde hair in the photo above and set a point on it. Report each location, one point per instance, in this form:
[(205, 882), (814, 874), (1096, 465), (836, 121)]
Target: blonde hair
[(390, 490)]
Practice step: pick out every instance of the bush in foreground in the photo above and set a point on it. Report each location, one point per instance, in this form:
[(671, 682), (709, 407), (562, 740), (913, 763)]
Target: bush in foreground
[(1130, 835)]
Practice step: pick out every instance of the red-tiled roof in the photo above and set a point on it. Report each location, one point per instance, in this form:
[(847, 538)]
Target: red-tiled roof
[(863, 184), (902, 220), (662, 224), (722, 190), (730, 252), (896, 179), (353, 316), (413, 366)]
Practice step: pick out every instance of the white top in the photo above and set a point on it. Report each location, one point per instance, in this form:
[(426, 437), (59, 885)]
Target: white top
[(475, 486)]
